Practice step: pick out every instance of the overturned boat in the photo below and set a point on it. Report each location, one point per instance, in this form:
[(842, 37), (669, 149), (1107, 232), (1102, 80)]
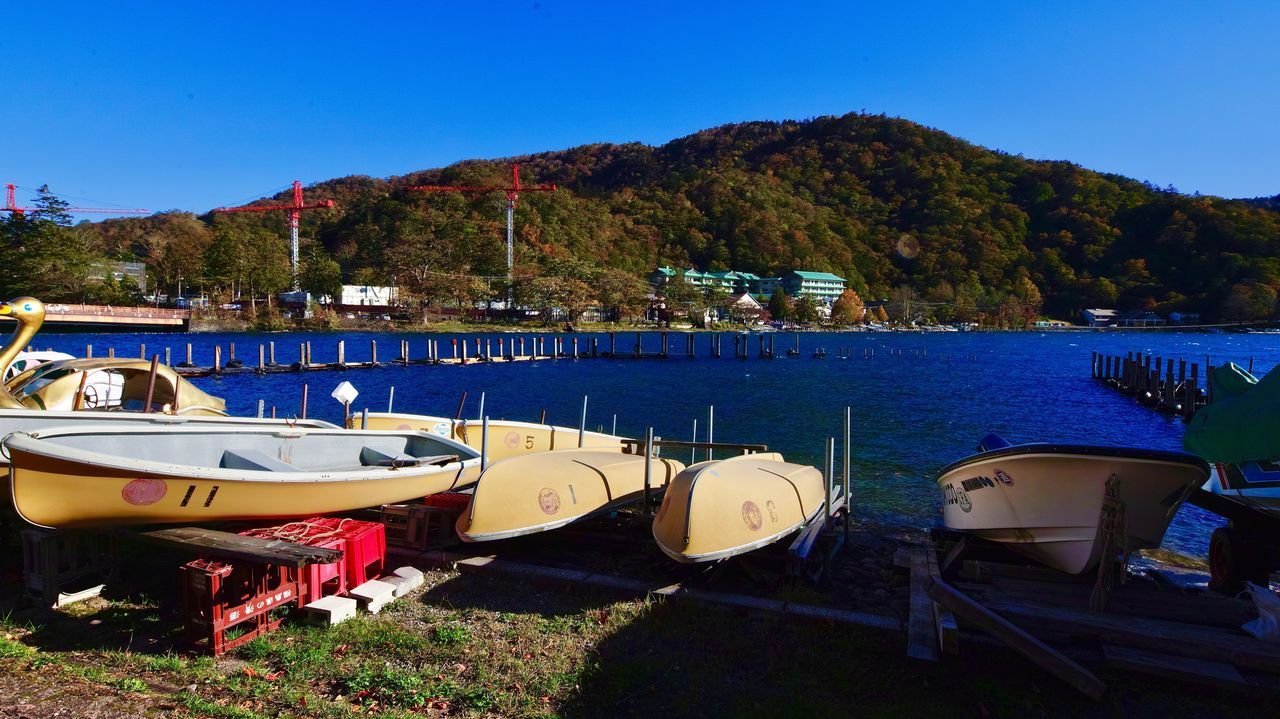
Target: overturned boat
[(507, 438), (1046, 500), (107, 475), (717, 509), (533, 493)]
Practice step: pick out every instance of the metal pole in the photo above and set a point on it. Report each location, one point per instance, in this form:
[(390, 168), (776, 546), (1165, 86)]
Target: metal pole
[(693, 451), (582, 425), (848, 451), (364, 418), (614, 432), (711, 429), (829, 467), (648, 469), (391, 398), (262, 408), (484, 443), (482, 404)]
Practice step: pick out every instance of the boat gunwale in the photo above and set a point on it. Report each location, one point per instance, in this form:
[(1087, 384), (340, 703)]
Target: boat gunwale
[(453, 422), (32, 443), (1079, 450)]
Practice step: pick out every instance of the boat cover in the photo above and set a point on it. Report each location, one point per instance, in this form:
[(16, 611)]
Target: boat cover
[(1243, 421)]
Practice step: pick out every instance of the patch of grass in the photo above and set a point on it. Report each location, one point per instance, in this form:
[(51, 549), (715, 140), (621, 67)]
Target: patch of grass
[(450, 635), (129, 684), (13, 649), (385, 685), (207, 708)]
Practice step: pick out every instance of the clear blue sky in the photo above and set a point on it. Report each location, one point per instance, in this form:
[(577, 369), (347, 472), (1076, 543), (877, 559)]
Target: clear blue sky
[(190, 105)]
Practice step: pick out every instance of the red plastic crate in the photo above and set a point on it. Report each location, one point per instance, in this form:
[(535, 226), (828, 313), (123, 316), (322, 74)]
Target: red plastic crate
[(363, 546), (448, 500), (218, 596)]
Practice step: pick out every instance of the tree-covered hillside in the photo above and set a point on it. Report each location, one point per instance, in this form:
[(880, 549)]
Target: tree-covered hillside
[(884, 202)]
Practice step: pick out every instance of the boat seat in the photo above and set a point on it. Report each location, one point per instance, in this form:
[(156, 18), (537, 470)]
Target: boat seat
[(371, 457), (256, 460)]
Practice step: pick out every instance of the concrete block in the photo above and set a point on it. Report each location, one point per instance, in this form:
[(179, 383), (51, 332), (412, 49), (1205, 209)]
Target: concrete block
[(406, 580), (331, 610), (411, 573), (373, 595)]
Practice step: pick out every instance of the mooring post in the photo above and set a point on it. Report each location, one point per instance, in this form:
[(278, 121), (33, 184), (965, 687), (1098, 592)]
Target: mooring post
[(391, 398), (364, 418), (271, 353), (663, 353), (304, 401), (342, 353), (373, 352), (88, 351), (309, 362), (613, 343), (262, 408), (217, 358), (142, 351), (1182, 370), (582, 425), (464, 352), (454, 341), (637, 344), (1093, 365), (232, 355), (168, 356), (614, 431), (575, 348), (262, 358), (111, 352)]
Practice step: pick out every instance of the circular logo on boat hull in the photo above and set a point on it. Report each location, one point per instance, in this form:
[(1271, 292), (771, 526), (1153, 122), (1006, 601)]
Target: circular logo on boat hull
[(963, 500), (141, 492), (549, 501), (751, 516), (512, 440)]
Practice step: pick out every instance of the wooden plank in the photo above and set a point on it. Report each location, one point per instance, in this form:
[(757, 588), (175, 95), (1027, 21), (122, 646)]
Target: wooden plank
[(1152, 634), (943, 619), (1028, 646), (1172, 667), (213, 543), (951, 563), (922, 637), (902, 558)]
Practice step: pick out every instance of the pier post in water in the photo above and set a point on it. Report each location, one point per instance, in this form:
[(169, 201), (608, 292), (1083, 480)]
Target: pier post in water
[(88, 351), (373, 352), (342, 353), (271, 353), (613, 347), (262, 358), (111, 352), (217, 358), (142, 351), (168, 356)]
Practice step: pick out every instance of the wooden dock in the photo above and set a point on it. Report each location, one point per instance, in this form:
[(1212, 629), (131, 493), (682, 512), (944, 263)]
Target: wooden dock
[(1151, 380), (1148, 624)]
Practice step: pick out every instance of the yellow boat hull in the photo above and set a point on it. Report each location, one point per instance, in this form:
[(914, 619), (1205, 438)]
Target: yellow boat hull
[(540, 492), (56, 493), (715, 510), (507, 438)]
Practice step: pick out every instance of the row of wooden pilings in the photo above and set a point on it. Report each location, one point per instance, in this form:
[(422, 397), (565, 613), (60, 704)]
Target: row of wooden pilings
[(456, 351), (1153, 382)]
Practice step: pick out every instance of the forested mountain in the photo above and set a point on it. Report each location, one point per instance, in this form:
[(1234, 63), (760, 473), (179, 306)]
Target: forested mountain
[(884, 202)]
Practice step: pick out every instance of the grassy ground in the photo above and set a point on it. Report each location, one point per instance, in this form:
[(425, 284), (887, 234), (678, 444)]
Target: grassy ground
[(470, 645)]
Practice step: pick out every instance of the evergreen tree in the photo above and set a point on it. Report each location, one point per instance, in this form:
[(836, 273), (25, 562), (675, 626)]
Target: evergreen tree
[(780, 305)]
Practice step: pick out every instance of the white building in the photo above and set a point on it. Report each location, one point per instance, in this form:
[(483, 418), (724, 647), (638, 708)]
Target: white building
[(368, 296)]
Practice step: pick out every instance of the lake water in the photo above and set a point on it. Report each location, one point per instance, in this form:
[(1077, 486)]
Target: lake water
[(922, 400)]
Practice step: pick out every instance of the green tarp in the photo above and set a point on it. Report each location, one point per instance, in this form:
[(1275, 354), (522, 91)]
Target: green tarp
[(1243, 421)]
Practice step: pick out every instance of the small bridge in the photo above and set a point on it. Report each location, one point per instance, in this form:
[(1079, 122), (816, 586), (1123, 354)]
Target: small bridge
[(105, 318)]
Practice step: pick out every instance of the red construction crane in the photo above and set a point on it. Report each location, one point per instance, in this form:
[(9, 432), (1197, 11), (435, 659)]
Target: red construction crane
[(11, 206), (295, 213), (513, 196)]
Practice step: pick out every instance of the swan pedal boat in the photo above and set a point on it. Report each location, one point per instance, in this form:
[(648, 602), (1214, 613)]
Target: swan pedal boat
[(718, 509), (104, 475), (532, 493), (1045, 501), (507, 438)]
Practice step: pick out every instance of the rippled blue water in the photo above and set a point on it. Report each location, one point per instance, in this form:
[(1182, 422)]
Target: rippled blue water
[(922, 400)]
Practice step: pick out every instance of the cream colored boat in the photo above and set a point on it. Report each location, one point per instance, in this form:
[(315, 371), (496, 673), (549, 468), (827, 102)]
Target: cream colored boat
[(96, 476), (104, 383), (533, 493), (1045, 500), (31, 420), (507, 438), (715, 510)]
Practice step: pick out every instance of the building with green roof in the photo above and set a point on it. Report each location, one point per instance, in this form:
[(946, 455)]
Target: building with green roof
[(822, 286)]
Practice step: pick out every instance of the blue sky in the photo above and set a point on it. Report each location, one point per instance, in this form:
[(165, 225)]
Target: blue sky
[(181, 105)]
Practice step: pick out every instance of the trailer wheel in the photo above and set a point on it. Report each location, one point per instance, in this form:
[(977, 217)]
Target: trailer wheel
[(1233, 560), (1226, 561)]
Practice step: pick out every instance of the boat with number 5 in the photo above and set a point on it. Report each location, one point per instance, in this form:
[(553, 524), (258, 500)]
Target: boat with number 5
[(107, 475), (507, 438)]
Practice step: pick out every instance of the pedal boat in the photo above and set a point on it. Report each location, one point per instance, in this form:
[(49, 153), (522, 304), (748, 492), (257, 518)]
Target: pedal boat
[(532, 493), (507, 438), (99, 476), (718, 509), (1046, 500)]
